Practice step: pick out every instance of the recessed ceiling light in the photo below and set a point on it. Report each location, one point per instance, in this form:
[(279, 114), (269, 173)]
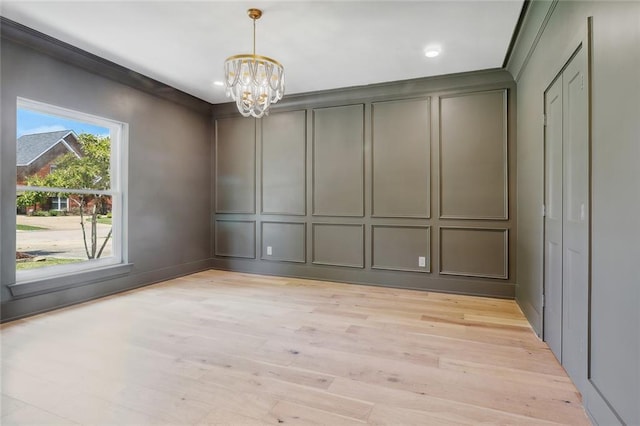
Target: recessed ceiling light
[(218, 83), (431, 53)]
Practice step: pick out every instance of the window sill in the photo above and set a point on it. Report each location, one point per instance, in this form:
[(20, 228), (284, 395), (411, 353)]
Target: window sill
[(62, 282)]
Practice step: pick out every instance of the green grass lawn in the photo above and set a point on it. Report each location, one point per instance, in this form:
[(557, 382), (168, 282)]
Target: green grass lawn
[(47, 262), (20, 227), (104, 220)]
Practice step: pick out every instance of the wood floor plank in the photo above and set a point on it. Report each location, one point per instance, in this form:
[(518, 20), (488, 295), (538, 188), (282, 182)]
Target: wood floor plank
[(285, 412), (263, 369), (521, 337), (30, 415), (234, 407), (349, 407), (437, 407), (228, 417), (219, 347), (557, 381), (10, 405), (69, 404), (490, 353), (167, 406)]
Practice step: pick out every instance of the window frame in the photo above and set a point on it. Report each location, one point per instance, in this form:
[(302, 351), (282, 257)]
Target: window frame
[(57, 201), (54, 277)]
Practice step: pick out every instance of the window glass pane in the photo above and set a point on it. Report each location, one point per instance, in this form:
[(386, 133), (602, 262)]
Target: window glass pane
[(58, 203), (57, 236), (54, 151), (69, 177)]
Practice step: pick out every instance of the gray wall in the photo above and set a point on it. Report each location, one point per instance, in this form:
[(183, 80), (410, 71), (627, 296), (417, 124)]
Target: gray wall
[(612, 394), (169, 193), (356, 184)]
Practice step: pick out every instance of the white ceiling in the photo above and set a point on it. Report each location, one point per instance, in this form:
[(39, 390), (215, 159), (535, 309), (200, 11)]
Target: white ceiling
[(322, 44)]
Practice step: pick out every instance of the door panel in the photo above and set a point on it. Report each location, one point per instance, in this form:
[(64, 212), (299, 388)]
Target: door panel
[(576, 220), (553, 219)]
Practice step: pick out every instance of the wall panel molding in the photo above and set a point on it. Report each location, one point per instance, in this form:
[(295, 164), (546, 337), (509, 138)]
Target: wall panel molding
[(469, 256), (291, 249), (235, 165), (404, 250), (282, 178), (470, 188), (351, 229), (235, 238), (338, 161), (337, 244), (401, 158)]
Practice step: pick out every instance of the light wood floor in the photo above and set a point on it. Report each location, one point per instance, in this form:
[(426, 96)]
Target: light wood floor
[(227, 348)]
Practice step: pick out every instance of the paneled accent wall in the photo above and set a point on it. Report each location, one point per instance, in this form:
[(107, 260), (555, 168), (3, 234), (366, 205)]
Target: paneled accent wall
[(284, 164), (474, 252), (401, 158), (338, 244), (235, 238), (396, 247), (401, 189), (473, 156), (338, 161), (289, 240), (235, 167)]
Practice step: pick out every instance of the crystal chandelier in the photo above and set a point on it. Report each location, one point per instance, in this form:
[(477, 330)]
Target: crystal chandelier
[(254, 82)]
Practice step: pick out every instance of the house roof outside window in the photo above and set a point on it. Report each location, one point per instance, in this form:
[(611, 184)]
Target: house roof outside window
[(31, 147)]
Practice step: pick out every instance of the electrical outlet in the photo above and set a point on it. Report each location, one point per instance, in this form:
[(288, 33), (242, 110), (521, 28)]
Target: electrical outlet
[(269, 251), (422, 261)]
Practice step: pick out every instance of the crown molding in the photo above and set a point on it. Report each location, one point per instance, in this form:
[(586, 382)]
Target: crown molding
[(403, 89), (35, 40)]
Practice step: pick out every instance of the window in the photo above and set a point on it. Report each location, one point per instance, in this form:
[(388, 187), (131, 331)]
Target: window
[(59, 203), (71, 181)]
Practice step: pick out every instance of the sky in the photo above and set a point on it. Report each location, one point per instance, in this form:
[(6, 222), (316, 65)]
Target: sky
[(30, 122)]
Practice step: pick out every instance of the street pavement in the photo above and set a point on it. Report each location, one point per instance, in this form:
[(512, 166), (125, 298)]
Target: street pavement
[(62, 238)]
